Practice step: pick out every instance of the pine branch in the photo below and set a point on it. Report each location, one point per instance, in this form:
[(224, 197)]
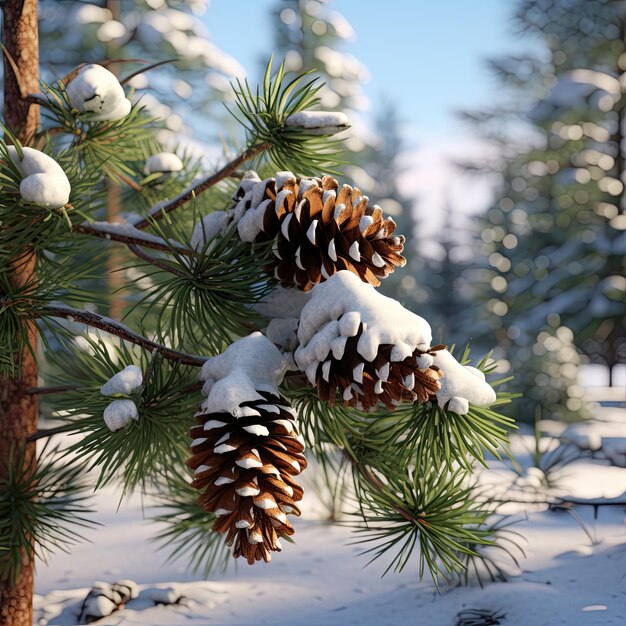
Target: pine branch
[(119, 330), (46, 390), (48, 432), (163, 208), (162, 265), (371, 478), (128, 234)]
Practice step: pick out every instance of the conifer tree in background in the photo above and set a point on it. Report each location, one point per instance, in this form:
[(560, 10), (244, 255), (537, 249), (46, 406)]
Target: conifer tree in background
[(330, 365), (555, 237), (195, 74), (583, 116)]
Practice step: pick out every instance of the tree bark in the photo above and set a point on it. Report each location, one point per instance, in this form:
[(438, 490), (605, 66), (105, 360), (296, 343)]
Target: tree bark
[(19, 410)]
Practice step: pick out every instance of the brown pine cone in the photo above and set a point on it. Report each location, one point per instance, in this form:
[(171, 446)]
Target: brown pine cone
[(364, 384), (245, 467), (319, 229)]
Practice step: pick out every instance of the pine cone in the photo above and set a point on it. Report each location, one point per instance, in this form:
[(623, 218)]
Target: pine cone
[(246, 450), (245, 466), (365, 345), (319, 229), (365, 384)]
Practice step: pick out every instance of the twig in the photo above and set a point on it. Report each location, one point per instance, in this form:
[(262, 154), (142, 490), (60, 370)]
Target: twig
[(130, 236), (375, 482), (142, 70), (46, 390), (129, 181), (16, 71), (120, 330), (48, 432), (162, 208), (137, 251)]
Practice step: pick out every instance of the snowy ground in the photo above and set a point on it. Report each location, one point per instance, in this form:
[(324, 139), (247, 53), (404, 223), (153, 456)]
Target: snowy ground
[(574, 571)]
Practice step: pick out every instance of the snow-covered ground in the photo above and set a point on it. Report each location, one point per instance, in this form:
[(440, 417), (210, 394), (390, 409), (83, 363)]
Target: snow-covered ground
[(573, 571)]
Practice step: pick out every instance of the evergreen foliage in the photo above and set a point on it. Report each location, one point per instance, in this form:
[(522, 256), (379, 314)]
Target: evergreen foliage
[(188, 305), (555, 236)]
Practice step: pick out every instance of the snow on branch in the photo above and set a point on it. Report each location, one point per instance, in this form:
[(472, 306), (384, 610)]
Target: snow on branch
[(162, 208), (128, 234), (119, 330)]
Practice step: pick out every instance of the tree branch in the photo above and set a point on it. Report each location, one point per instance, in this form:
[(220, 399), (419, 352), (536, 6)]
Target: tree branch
[(162, 208), (128, 234), (38, 391), (162, 265), (120, 330), (48, 432), (373, 480)]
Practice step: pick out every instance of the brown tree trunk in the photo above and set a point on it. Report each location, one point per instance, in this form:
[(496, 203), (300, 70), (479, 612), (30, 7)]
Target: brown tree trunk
[(19, 410), (115, 259)]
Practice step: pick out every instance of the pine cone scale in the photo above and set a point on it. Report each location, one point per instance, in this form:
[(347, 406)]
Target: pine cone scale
[(364, 384)]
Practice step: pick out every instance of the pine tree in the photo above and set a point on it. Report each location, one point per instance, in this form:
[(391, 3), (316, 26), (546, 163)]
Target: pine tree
[(554, 238), (582, 116), (191, 71), (337, 368)]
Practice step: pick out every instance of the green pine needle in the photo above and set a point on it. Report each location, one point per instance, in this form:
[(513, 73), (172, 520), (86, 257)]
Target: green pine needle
[(41, 504), (263, 112)]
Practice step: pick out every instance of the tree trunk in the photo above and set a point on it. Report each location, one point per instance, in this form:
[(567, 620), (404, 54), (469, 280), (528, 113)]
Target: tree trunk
[(115, 258), (19, 410)]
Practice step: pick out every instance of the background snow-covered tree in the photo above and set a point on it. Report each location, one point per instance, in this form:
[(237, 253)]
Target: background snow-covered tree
[(555, 235), (195, 78)]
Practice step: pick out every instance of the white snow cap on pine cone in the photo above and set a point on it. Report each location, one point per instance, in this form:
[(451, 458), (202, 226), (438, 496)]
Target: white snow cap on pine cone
[(165, 162), (119, 413), (283, 307), (125, 381), (345, 296), (220, 221), (319, 122), (212, 224), (247, 366), (44, 181), (97, 91), (461, 385)]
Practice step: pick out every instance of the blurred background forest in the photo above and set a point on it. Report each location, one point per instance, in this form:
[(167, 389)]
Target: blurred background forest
[(492, 132)]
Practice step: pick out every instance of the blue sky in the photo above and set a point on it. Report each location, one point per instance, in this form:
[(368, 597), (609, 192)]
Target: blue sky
[(428, 56)]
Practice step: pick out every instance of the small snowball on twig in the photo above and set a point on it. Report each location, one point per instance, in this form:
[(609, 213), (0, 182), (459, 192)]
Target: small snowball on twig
[(318, 122), (44, 180), (165, 162), (96, 91), (461, 385), (125, 381), (119, 413)]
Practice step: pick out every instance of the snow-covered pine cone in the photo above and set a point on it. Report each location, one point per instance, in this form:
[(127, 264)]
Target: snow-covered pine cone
[(319, 229), (364, 384), (245, 467), (246, 450), (367, 346)]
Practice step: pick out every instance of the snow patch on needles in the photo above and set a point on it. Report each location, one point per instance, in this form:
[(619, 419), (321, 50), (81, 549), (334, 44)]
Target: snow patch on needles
[(319, 122), (165, 162), (384, 320), (96, 91), (125, 381), (246, 367), (211, 225), (461, 385), (119, 413), (44, 180)]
